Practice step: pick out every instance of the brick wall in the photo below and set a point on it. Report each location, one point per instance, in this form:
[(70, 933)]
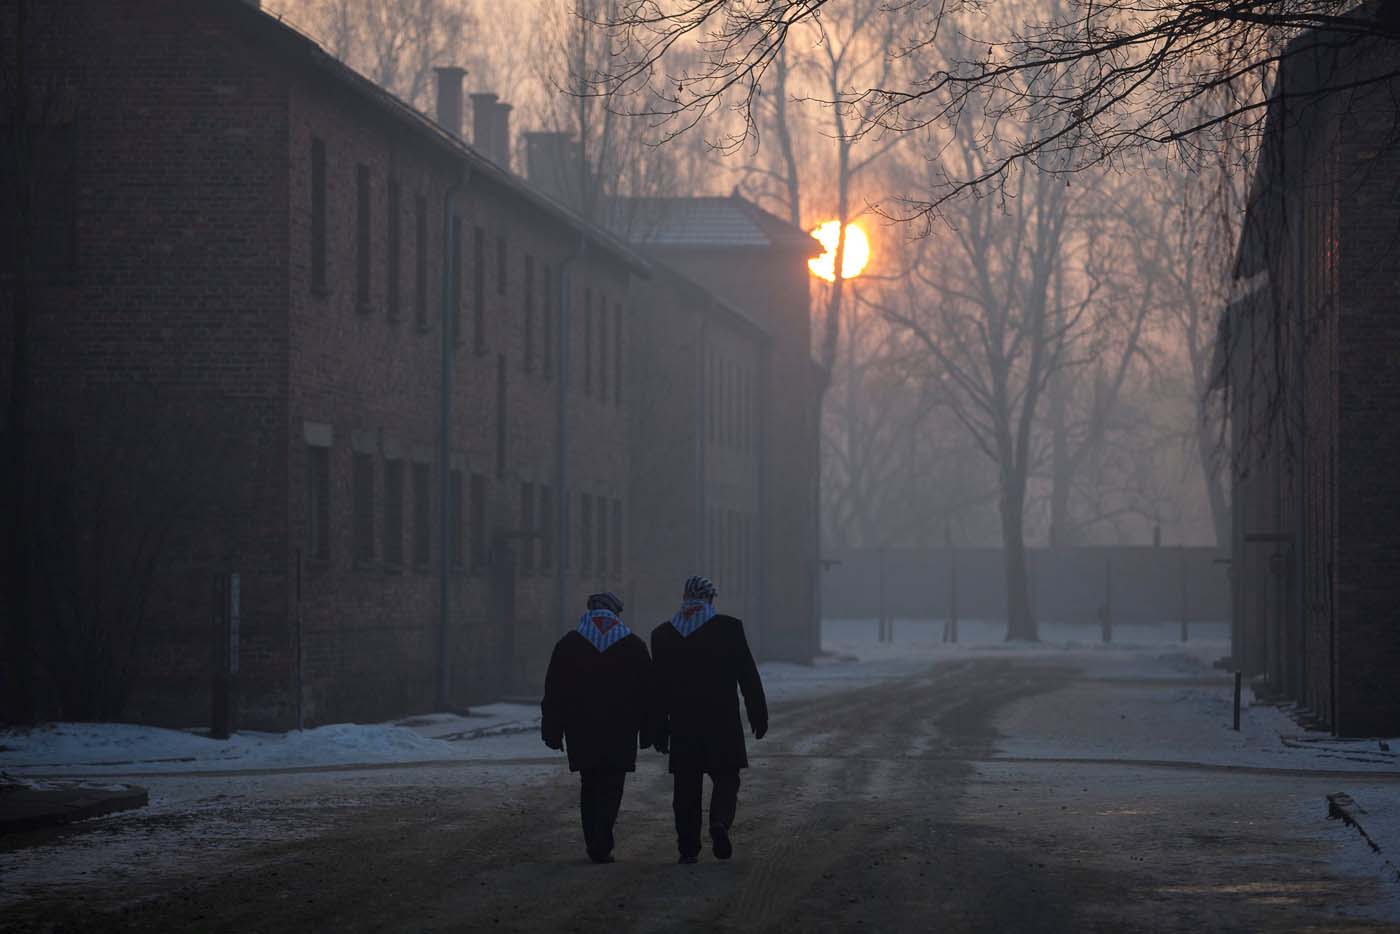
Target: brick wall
[(772, 286), (1367, 524), (695, 452), (371, 630), (175, 311)]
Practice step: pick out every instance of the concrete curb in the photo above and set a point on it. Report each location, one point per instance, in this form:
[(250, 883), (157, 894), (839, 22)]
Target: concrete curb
[(29, 808), (1341, 806)]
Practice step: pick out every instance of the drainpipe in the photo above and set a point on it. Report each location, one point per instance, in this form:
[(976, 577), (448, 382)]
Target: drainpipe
[(698, 558), (1300, 470), (561, 475), (449, 336)]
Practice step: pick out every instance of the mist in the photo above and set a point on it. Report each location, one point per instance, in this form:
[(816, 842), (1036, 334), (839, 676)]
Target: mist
[(919, 465)]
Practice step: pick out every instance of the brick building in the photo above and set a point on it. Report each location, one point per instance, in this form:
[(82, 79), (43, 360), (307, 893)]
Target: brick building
[(727, 393), (1307, 357), (405, 359), (328, 346)]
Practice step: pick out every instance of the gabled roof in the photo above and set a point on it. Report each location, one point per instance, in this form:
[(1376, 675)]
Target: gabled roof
[(301, 49), (705, 222)]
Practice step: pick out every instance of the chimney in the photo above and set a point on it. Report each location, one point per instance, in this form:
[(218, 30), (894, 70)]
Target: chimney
[(548, 158), (484, 124), (449, 98), (502, 137)]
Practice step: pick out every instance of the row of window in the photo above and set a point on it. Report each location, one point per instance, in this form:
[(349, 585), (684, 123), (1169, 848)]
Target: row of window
[(379, 523), (602, 358), (731, 550), (729, 403)]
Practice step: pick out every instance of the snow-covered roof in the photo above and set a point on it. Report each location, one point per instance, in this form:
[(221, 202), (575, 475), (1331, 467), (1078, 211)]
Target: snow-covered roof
[(706, 222)]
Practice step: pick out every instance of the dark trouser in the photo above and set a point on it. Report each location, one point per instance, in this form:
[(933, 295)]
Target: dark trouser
[(600, 796), (689, 788)]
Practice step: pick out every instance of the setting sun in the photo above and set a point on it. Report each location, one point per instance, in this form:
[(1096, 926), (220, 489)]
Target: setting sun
[(856, 256)]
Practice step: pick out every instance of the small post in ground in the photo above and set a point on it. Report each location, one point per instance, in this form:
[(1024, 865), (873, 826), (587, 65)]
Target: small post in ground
[(1237, 700)]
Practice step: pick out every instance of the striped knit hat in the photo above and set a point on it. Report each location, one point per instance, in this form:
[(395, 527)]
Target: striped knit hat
[(700, 588), (605, 601)]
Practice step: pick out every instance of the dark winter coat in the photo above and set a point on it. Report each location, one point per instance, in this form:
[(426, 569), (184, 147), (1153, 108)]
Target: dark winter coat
[(596, 703), (696, 701)]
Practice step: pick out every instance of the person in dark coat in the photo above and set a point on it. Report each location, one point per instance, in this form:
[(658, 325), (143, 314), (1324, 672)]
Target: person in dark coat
[(699, 658), (596, 697)]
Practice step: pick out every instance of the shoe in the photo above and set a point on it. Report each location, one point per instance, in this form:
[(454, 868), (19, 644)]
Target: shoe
[(605, 858), (687, 860), (719, 836)]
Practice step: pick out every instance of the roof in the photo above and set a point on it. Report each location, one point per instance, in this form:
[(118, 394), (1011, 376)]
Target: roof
[(705, 222), (712, 303), (1317, 71), (482, 168)]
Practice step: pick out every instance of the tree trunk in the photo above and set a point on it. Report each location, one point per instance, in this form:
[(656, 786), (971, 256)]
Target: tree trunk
[(19, 706), (1020, 623), (1215, 484), (1061, 470)]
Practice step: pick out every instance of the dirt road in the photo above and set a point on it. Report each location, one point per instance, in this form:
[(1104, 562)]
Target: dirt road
[(871, 810)]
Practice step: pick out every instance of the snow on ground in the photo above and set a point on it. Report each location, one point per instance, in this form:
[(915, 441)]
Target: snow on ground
[(1178, 709)]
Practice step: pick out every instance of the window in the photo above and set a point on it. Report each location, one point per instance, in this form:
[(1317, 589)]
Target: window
[(393, 512), (547, 326), (456, 280), (47, 172), (602, 537), (603, 350), (585, 539), (527, 525), (420, 261), (617, 538), (547, 521), (588, 341), (502, 411), (318, 503), (362, 237), (391, 279), (711, 409), (729, 407), (528, 278), (478, 520), (743, 409), (479, 289), (502, 265), (363, 480), (422, 517), (713, 542), (456, 530), (567, 506), (318, 215), (617, 354)]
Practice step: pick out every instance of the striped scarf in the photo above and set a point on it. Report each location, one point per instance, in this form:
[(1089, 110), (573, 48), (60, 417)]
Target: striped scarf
[(603, 628), (692, 615)]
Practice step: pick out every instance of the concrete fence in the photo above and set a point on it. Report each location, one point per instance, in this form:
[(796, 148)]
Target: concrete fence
[(1138, 584)]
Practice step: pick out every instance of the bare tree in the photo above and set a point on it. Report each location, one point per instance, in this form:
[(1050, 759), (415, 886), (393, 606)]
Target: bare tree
[(980, 304), (395, 43), (1115, 299), (1112, 77), (845, 49)]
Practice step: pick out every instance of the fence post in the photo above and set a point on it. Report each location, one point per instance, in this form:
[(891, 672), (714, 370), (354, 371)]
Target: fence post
[(1237, 699), (301, 678), (1106, 618), (883, 635), (219, 726), (1185, 598), (950, 628)]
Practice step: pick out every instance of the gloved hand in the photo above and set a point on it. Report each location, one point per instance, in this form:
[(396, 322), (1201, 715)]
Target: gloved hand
[(759, 729), (662, 744), (554, 742)]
